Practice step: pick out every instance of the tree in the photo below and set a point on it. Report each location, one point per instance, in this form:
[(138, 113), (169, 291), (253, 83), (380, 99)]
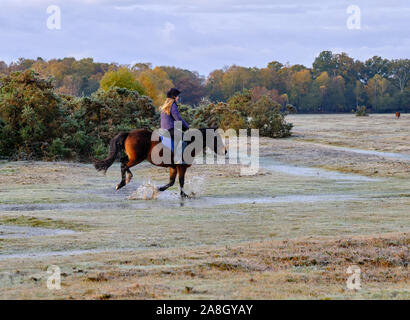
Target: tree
[(157, 83), (358, 91), (325, 62), (376, 89), (300, 82), (121, 78), (270, 76), (400, 73), (191, 84), (3, 67), (214, 85), (376, 65)]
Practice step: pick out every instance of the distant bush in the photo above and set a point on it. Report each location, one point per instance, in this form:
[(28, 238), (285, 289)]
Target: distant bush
[(266, 116), (361, 111), (240, 112)]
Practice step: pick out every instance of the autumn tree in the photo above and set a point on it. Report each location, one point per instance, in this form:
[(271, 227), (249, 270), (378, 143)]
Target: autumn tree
[(156, 83), (191, 84), (400, 73), (121, 78)]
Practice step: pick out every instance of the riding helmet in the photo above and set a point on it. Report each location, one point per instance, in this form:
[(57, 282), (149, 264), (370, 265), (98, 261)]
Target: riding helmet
[(173, 93)]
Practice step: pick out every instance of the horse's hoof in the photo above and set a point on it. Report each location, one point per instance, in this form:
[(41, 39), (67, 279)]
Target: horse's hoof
[(184, 195), (119, 186)]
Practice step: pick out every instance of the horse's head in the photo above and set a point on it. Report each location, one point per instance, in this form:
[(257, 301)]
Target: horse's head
[(214, 141)]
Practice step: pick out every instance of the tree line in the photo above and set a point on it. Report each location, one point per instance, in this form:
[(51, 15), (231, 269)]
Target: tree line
[(334, 83)]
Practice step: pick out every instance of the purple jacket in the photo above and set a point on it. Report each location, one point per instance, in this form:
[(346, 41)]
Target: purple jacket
[(167, 121)]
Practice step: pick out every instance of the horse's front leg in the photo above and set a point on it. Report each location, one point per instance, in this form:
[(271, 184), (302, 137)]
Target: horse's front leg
[(181, 173), (172, 177)]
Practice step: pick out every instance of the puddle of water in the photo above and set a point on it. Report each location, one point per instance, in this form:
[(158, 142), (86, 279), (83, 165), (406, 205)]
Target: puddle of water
[(171, 199), (193, 187), (16, 232), (401, 156), (146, 191), (206, 201), (269, 164)]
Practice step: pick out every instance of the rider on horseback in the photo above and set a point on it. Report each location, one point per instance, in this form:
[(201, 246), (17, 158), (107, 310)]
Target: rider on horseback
[(170, 115)]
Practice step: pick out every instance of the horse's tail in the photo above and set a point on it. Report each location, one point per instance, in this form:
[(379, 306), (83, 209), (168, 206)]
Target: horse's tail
[(116, 145)]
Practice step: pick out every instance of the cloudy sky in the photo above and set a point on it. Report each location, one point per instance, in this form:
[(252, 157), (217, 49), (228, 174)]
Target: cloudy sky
[(203, 35)]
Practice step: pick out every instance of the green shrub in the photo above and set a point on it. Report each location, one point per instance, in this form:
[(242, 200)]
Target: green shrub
[(240, 112), (99, 150), (361, 111), (58, 150), (29, 109)]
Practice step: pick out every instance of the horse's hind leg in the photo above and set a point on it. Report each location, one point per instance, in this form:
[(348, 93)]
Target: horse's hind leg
[(129, 176), (181, 174), (123, 172), (126, 174), (172, 177), (133, 161)]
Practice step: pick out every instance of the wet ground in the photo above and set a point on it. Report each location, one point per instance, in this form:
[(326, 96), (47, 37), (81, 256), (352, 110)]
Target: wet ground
[(338, 178)]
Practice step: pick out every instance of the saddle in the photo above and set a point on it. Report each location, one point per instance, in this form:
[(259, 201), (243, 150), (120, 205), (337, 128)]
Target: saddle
[(167, 143)]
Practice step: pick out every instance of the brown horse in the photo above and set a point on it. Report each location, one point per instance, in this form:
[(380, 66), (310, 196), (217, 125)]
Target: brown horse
[(397, 115), (138, 147)]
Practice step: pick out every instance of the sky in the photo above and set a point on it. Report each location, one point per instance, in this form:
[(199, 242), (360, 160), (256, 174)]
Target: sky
[(203, 35)]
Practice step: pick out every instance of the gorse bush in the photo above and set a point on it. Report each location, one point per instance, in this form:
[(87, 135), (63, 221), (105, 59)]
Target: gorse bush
[(37, 123), (361, 111), (118, 109), (30, 112), (266, 116), (241, 112)]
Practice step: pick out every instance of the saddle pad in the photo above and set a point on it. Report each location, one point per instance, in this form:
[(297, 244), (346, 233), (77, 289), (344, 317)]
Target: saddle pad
[(167, 142)]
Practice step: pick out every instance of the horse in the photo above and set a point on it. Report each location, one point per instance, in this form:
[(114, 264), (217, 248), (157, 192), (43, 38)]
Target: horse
[(138, 147), (397, 115)]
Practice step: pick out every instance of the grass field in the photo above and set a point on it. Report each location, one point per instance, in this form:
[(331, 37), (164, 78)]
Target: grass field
[(335, 194)]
